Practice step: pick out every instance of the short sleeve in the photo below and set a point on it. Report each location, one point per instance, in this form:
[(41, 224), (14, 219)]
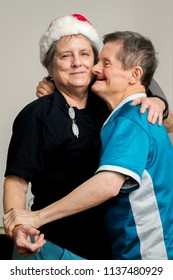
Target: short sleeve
[(125, 148), (23, 157)]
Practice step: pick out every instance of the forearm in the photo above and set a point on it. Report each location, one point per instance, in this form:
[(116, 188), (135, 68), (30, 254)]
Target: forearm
[(14, 195), (93, 192)]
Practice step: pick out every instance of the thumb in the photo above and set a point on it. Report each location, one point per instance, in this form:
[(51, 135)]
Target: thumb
[(30, 230)]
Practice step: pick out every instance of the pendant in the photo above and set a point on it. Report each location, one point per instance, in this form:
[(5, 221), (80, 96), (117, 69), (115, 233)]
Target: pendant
[(71, 113), (75, 129)]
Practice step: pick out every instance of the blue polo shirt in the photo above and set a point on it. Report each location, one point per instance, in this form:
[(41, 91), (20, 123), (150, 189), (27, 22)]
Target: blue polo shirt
[(140, 218)]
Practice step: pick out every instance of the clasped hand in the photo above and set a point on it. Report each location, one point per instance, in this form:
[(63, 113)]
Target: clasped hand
[(20, 225)]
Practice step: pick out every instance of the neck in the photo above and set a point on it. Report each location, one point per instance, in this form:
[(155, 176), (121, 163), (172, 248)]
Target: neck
[(76, 99), (114, 100)]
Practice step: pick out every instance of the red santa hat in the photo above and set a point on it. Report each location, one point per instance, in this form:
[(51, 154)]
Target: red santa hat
[(67, 25)]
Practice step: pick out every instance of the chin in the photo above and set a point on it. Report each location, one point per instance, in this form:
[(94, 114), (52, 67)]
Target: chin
[(95, 89)]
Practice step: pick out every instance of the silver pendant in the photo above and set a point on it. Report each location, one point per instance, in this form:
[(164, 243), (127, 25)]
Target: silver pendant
[(71, 113), (75, 129)]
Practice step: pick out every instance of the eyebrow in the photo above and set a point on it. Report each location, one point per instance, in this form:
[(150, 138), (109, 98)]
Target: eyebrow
[(105, 59), (64, 51)]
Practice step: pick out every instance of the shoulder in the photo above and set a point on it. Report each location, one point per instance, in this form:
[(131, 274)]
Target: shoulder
[(39, 109), (128, 110), (36, 106), (39, 106), (132, 114)]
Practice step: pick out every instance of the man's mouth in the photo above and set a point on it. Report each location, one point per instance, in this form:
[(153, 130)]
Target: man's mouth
[(100, 79)]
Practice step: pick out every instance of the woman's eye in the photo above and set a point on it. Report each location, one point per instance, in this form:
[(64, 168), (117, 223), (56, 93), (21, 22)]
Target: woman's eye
[(85, 54), (65, 55)]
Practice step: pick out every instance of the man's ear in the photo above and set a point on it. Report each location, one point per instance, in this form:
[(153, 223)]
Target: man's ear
[(136, 74)]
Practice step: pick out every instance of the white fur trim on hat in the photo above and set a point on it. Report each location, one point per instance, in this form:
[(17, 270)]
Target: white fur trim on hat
[(64, 26)]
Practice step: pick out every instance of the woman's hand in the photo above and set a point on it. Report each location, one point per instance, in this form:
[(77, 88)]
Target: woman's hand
[(45, 87), (155, 108), (22, 236), (17, 217)]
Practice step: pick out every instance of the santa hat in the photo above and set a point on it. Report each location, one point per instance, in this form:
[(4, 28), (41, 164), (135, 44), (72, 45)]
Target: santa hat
[(64, 26)]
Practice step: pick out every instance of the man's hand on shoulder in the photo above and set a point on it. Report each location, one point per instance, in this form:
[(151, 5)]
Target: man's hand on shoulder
[(45, 87)]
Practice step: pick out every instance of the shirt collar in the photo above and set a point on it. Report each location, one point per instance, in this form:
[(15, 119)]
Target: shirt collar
[(127, 99)]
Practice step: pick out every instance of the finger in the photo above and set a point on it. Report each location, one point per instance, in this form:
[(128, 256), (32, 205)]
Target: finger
[(144, 107), (136, 101), (160, 119), (18, 217), (27, 252), (24, 241), (153, 118), (38, 94), (151, 115), (10, 224), (39, 237), (34, 247), (9, 210), (8, 228), (13, 214), (48, 85), (40, 91), (27, 248), (9, 218), (29, 230)]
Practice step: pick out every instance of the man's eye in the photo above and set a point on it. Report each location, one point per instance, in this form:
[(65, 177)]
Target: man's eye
[(106, 63)]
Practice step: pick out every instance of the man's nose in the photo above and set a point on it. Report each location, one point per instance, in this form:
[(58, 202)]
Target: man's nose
[(97, 68)]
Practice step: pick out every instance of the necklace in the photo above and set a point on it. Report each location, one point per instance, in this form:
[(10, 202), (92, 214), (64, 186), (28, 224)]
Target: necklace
[(74, 126)]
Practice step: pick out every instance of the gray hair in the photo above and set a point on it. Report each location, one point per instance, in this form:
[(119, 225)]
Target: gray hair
[(136, 50)]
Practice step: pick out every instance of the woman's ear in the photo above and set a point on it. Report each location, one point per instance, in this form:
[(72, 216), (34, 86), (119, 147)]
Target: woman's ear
[(50, 71), (136, 74)]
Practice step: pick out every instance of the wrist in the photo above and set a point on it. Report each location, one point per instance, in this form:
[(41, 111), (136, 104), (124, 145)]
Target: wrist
[(15, 230), (39, 218)]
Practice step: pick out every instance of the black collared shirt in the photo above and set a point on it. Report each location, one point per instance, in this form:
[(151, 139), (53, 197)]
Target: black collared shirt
[(44, 151)]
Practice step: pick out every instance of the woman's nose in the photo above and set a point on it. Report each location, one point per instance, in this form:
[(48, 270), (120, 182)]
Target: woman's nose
[(76, 61)]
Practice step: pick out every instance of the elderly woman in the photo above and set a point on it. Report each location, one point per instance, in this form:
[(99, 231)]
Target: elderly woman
[(55, 146)]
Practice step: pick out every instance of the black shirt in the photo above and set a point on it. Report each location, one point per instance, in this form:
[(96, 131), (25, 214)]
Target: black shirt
[(44, 151)]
